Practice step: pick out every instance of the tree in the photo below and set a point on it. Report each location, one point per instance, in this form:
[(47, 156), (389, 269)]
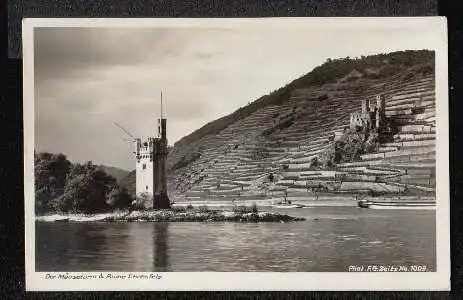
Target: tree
[(50, 172), (77, 188), (86, 190), (118, 198)]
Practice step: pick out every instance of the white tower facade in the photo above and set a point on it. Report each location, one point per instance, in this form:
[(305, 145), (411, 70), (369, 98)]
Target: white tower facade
[(145, 170)]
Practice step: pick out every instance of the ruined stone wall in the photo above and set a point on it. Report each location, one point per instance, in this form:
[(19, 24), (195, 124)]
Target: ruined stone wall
[(372, 116)]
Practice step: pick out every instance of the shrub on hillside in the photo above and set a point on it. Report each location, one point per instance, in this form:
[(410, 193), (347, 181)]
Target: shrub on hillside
[(314, 163), (348, 148), (426, 69), (270, 177), (327, 158), (390, 70), (285, 123), (260, 153), (372, 143)]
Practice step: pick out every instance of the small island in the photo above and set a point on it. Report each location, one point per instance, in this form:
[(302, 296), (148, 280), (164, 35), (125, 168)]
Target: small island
[(178, 214)]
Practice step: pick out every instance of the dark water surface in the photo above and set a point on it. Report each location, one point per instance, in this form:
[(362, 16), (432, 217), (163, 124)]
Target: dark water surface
[(341, 236)]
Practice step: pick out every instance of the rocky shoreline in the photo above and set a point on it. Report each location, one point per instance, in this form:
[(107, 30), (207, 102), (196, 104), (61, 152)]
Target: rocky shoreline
[(168, 215)]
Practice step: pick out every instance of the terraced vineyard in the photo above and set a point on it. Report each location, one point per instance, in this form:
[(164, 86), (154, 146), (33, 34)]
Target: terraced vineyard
[(270, 152)]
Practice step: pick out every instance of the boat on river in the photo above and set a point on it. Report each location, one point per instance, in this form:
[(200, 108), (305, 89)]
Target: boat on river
[(426, 205), (286, 205)]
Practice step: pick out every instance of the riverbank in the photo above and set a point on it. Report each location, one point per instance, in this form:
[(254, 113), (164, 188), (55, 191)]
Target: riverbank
[(172, 215), (305, 201), (264, 202)]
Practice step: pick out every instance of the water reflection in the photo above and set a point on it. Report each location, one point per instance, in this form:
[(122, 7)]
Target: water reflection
[(161, 247), (76, 246), (138, 248)]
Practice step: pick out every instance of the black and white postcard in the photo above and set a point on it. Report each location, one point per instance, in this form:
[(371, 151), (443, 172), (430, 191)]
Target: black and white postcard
[(236, 154)]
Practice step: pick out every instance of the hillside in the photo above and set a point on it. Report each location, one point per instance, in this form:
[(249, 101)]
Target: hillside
[(129, 183), (118, 173), (272, 146), (374, 66)]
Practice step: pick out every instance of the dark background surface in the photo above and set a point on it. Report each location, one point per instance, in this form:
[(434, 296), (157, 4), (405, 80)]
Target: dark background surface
[(11, 185)]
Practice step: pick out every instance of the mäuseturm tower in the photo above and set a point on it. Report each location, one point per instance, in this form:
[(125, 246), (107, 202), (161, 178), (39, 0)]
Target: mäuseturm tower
[(151, 155)]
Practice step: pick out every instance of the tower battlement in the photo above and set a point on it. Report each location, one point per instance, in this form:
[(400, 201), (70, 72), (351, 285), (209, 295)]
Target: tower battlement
[(144, 148)]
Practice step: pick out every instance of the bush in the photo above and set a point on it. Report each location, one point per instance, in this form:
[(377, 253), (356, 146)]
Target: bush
[(350, 148), (254, 208), (179, 209), (327, 158), (314, 163), (260, 153), (390, 70), (285, 124), (372, 143), (189, 206), (270, 177), (203, 208), (142, 201), (239, 209), (242, 209)]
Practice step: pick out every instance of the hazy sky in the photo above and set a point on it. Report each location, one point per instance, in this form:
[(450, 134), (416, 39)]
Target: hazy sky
[(86, 78)]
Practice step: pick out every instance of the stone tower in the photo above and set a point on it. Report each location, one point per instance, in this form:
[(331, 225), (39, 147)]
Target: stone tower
[(380, 111), (151, 181), (365, 106), (161, 199)]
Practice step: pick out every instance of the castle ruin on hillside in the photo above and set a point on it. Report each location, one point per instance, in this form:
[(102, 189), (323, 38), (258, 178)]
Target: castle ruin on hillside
[(371, 116)]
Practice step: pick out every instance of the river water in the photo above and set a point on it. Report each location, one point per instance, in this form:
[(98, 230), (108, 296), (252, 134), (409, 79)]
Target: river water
[(331, 239)]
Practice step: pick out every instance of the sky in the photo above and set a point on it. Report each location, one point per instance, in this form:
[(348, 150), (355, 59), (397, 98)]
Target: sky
[(86, 78)]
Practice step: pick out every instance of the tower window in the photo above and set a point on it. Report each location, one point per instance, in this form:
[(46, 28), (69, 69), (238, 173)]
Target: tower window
[(144, 166), (146, 187)]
